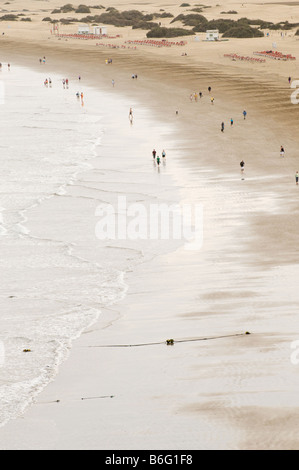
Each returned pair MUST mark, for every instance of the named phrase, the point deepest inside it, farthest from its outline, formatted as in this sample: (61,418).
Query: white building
(100,30)
(84,29)
(97,30)
(212,35)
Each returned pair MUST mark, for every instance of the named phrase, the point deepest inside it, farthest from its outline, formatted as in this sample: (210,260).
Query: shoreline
(37,210)
(263,93)
(181,407)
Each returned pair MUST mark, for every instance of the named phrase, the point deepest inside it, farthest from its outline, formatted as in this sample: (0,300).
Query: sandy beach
(119,385)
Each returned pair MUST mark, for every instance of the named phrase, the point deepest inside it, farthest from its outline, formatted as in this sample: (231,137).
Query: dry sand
(234,393)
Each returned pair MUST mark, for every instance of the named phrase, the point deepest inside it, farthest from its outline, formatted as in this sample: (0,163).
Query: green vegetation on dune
(112,16)
(9,17)
(243,31)
(194,21)
(242,27)
(67,8)
(162,32)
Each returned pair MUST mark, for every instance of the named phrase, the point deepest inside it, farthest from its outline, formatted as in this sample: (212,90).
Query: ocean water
(58,162)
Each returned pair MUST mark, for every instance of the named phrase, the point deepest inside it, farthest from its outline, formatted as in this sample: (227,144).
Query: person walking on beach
(209,89)
(290,79)
(163,154)
(231,121)
(131,115)
(242,164)
(113,83)
(212,100)
(297,177)
(281,151)
(158,160)
(154,153)
(244,114)
(222,127)
(200,94)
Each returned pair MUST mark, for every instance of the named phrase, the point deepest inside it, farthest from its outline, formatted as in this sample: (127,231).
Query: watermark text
(137,221)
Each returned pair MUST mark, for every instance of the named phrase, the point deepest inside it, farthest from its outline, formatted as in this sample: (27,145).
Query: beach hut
(84,29)
(100,30)
(212,35)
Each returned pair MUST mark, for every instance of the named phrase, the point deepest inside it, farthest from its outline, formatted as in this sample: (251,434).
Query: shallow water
(56,274)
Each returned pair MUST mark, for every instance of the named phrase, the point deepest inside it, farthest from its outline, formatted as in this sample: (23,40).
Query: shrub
(224,25)
(200,24)
(192,19)
(221,25)
(89,19)
(167,15)
(126,18)
(145,25)
(176,32)
(157,32)
(162,32)
(162,15)
(9,17)
(82,9)
(67,8)
(116,18)
(288,25)
(243,32)
(133,15)
(67,21)
(148,17)
(265,25)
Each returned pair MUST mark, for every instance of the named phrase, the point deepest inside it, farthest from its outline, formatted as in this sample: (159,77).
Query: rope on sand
(96,398)
(168,342)
(84,398)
